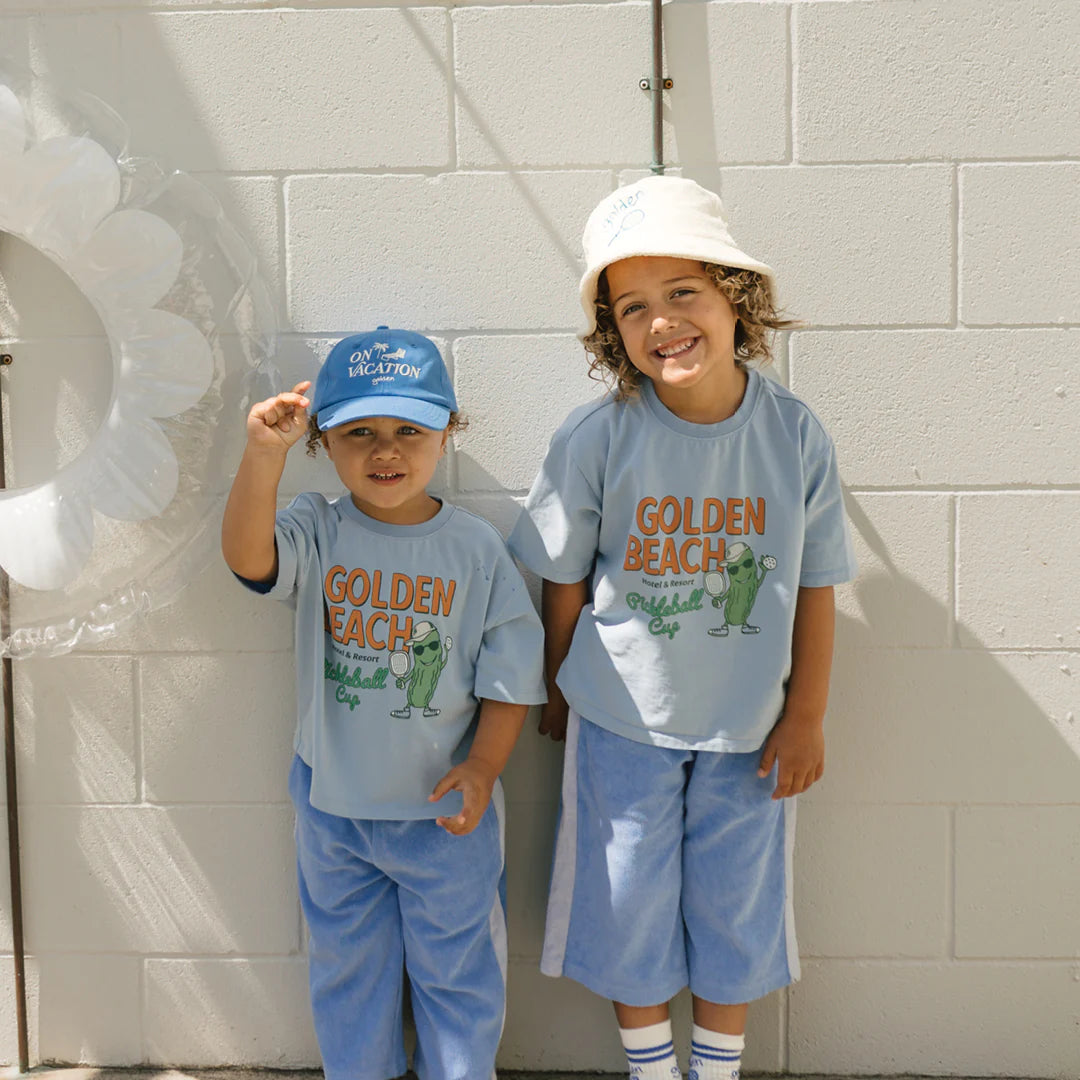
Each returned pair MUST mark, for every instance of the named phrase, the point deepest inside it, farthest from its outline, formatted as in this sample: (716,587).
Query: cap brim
(424,413)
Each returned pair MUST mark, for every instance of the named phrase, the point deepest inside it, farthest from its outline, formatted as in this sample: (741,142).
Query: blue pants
(672,867)
(382,895)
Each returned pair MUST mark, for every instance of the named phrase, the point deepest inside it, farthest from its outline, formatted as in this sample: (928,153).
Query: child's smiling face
(678,330)
(387,464)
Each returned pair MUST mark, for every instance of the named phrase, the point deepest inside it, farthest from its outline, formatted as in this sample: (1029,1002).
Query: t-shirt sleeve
(294,538)
(828,555)
(557,533)
(510,666)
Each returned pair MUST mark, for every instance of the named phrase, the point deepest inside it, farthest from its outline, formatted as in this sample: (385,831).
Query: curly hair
(748,292)
(458,422)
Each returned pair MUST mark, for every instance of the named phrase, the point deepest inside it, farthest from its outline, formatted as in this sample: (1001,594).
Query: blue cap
(384,373)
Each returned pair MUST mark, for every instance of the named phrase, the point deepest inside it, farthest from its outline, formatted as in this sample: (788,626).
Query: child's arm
(560,606)
(798,739)
(274,426)
(497,730)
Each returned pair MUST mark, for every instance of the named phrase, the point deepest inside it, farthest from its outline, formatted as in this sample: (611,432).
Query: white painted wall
(912,169)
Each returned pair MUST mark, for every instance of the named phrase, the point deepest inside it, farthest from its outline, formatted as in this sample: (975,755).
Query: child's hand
(475,784)
(799,742)
(554,715)
(279,422)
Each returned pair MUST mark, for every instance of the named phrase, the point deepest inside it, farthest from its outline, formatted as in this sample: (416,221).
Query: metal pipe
(12,798)
(657,88)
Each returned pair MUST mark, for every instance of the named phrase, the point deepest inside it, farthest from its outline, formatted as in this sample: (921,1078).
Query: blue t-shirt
(400,630)
(696,538)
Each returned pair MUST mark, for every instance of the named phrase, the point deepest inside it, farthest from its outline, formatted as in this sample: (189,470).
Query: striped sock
(650,1052)
(714,1055)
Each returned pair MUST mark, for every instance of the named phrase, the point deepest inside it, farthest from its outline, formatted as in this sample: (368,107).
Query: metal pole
(657,88)
(12,798)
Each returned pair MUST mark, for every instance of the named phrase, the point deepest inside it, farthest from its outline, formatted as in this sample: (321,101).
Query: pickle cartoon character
(420,679)
(738,592)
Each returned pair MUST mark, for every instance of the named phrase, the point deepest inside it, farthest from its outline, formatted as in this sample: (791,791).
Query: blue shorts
(382,895)
(672,868)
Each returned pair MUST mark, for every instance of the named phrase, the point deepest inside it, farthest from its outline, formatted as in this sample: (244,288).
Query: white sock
(650,1052)
(714,1055)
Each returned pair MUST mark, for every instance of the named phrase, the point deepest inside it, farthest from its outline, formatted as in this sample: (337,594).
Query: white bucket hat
(658,215)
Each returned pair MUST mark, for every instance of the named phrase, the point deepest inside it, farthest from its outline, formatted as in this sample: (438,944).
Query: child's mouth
(385,477)
(674,349)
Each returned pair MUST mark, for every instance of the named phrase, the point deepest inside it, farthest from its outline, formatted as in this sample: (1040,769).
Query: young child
(689,528)
(418,652)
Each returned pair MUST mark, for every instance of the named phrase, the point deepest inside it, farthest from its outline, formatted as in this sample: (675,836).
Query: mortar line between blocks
(954,571)
(452,90)
(136,729)
(955,244)
(950,885)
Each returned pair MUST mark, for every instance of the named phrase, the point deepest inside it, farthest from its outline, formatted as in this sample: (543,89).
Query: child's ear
(325,440)
(445,439)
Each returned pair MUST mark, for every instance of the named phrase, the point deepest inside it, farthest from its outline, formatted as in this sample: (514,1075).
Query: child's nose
(660,323)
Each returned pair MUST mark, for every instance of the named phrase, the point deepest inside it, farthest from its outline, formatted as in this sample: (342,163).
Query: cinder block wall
(912,170)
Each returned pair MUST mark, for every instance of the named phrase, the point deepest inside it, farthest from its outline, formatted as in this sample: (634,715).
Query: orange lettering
(669,558)
(647,524)
(649,555)
(712,515)
(688,518)
(356,598)
(756,516)
(354,629)
(669,502)
(712,553)
(684,557)
(423,595)
(401,590)
(332,585)
(400,631)
(377,617)
(442,596)
(633,553)
(334,616)
(377,599)
(734,517)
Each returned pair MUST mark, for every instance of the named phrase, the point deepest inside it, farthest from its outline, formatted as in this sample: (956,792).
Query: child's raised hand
(475,784)
(798,743)
(279,422)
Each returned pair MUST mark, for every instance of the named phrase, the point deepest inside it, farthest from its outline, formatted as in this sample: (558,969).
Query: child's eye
(630,309)
(359,431)
(684,292)
(408,429)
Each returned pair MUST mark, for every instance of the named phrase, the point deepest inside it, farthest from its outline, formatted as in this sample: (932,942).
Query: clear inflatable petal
(165,364)
(130,262)
(138,469)
(12,124)
(45,535)
(70,184)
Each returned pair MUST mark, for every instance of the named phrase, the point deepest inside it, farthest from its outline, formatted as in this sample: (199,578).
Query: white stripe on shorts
(561,893)
(789,895)
(497,919)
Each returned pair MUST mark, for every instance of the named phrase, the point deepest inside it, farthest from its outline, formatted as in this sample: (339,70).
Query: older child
(689,528)
(417,654)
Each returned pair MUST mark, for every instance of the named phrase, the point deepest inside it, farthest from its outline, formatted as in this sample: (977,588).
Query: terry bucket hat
(384,372)
(658,215)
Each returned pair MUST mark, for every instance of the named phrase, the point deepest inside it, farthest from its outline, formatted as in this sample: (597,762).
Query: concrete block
(955,80)
(514,104)
(1013,590)
(530,842)
(534,771)
(872,880)
(75,725)
(902,595)
(850,246)
(252,204)
(218,728)
(516,390)
(229,1012)
(142,879)
(945,407)
(941,726)
(240,91)
(72,51)
(214,612)
(1017,881)
(579,1032)
(938,1019)
(461,251)
(90,1009)
(9,1043)
(1013,220)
